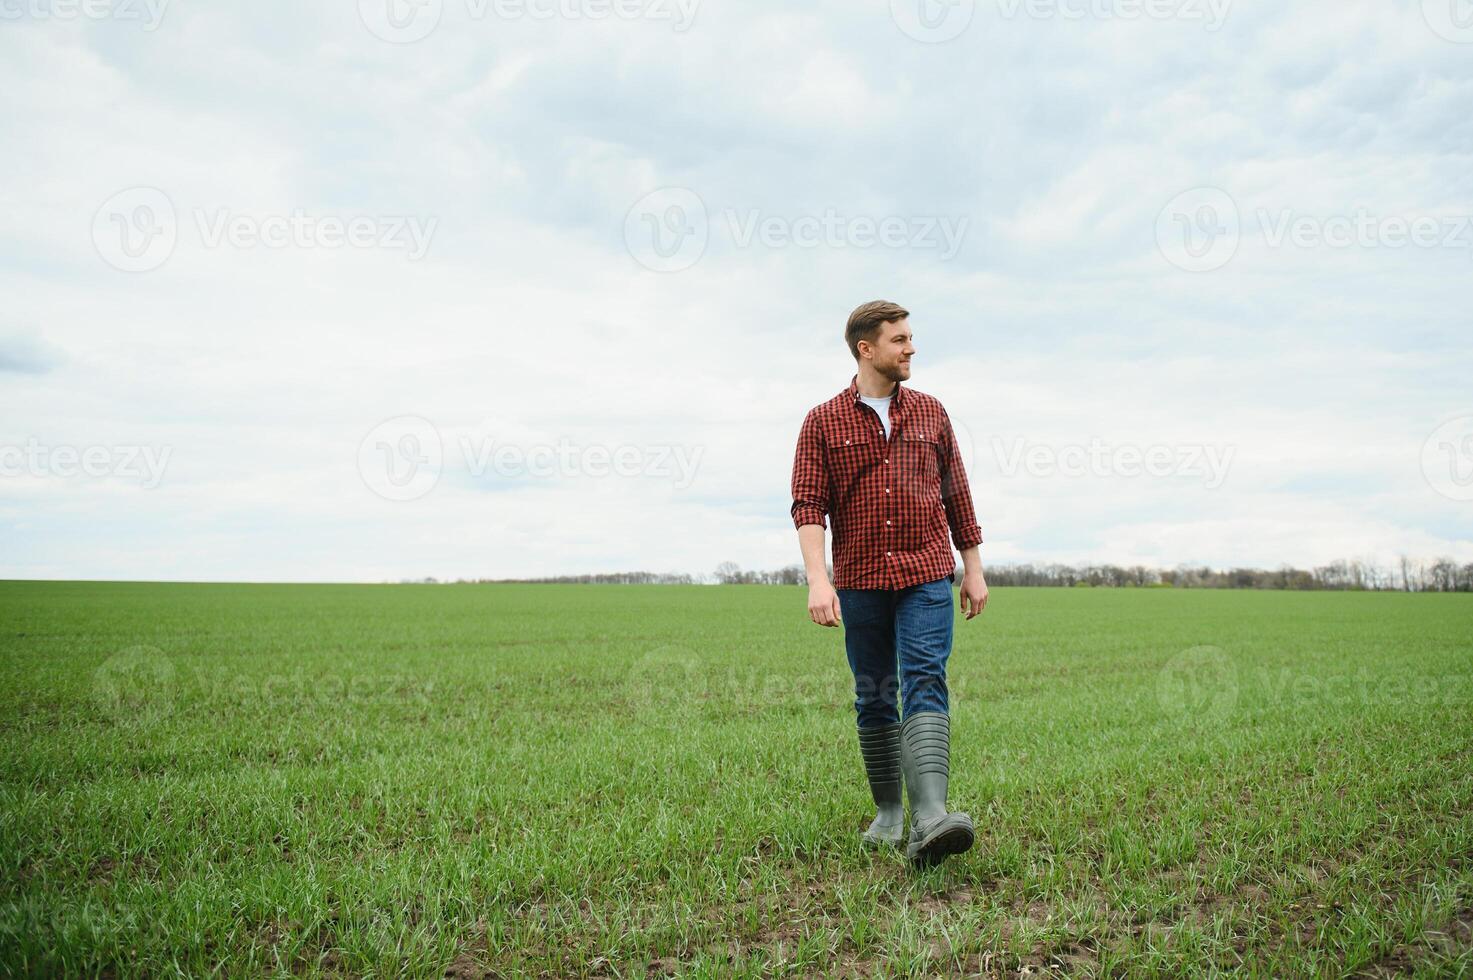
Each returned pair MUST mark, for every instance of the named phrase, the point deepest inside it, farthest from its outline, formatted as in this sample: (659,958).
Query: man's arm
(810,540)
(823,601)
(966,534)
(810,504)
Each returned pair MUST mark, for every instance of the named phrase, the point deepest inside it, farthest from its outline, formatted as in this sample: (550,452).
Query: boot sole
(953,837)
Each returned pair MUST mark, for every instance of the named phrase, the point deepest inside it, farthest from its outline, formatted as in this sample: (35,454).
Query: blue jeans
(912,626)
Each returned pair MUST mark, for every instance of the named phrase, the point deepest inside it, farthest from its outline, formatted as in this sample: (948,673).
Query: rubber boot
(880,747)
(925,761)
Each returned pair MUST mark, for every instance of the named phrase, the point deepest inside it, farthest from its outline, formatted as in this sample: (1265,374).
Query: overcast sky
(364,291)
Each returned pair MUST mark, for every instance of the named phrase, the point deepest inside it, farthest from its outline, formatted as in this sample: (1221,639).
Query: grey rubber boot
(880,747)
(925,762)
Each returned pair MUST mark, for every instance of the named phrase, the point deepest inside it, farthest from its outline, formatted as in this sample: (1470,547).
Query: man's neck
(875,385)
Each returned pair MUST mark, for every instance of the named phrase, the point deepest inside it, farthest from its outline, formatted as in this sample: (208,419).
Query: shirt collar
(897,398)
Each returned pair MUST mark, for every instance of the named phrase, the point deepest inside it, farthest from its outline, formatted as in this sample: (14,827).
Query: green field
(615,781)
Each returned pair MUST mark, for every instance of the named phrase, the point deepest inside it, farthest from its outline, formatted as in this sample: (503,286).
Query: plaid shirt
(893,500)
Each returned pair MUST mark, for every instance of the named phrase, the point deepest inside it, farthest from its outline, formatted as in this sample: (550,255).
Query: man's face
(892,350)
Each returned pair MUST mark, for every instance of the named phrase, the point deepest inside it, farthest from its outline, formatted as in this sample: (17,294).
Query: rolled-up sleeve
(810,480)
(956,494)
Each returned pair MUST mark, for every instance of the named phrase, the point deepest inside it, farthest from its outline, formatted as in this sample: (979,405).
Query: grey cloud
(26,355)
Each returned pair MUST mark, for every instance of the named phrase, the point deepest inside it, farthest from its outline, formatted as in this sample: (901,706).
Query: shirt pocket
(920,463)
(851,450)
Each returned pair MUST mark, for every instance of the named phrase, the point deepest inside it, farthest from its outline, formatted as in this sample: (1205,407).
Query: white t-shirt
(882,408)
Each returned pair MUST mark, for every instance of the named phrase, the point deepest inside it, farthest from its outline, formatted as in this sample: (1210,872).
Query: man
(881,459)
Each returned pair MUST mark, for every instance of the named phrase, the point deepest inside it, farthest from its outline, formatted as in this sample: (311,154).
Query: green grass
(606,780)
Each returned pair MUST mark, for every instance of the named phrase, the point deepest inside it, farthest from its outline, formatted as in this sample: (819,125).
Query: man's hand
(823,604)
(973,591)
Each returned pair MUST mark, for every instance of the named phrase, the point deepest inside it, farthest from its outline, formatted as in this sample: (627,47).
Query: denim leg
(923,630)
(869,643)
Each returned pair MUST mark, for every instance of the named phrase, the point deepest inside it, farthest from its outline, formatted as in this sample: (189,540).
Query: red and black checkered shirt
(892,500)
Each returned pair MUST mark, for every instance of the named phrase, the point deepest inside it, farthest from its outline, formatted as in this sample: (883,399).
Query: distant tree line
(606,578)
(1408,575)
(727,573)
